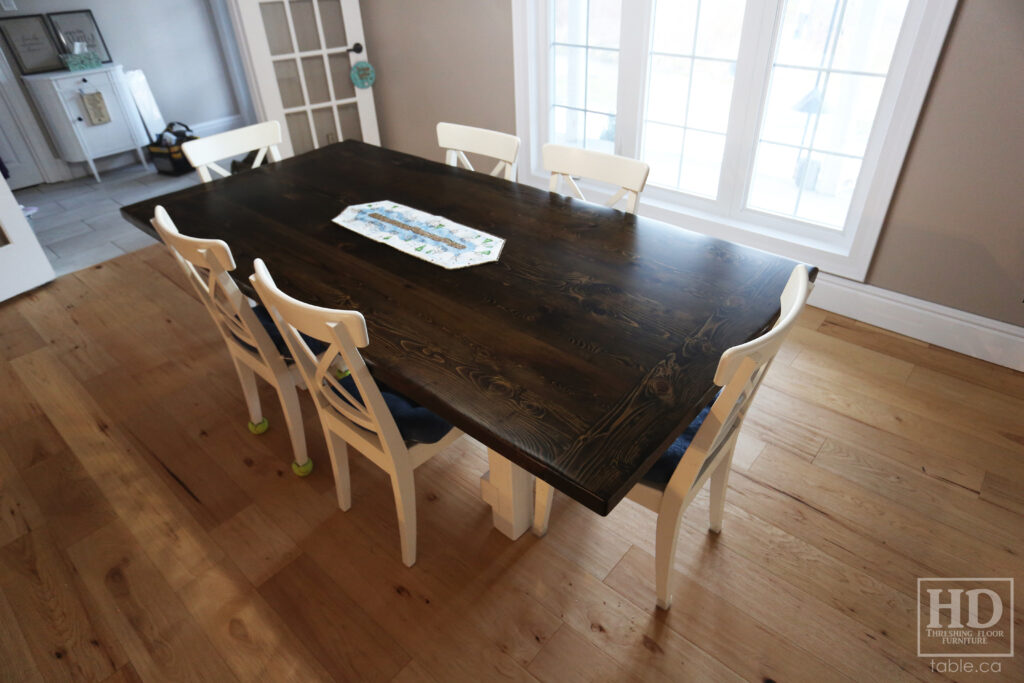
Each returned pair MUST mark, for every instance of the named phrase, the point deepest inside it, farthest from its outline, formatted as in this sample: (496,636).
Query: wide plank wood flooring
(145,534)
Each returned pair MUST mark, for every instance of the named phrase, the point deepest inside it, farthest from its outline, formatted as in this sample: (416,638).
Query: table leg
(544,494)
(508,489)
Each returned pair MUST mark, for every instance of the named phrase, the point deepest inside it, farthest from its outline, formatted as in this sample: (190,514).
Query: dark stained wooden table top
(580,355)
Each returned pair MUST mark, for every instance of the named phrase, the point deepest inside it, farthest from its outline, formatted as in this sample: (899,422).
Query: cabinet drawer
(87,81)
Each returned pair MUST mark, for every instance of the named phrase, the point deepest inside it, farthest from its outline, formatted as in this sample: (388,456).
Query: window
(585,73)
(690,77)
(827,74)
(778,123)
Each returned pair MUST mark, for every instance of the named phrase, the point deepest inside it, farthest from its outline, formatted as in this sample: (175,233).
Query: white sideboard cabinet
(59,96)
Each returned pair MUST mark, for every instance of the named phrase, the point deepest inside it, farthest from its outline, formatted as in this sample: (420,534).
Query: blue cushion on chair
(665,466)
(415,423)
(263,315)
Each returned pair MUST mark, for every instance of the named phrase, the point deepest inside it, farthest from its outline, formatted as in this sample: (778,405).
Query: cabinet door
(104,138)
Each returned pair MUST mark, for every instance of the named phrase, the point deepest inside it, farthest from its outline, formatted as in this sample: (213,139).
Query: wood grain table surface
(580,355)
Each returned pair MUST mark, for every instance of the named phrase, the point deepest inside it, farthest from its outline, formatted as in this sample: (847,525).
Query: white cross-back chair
(564,162)
(705,449)
(457,140)
(204,153)
(394,433)
(206,264)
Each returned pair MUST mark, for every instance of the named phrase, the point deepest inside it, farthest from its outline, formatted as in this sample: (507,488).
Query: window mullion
(539,65)
(634,39)
(753,68)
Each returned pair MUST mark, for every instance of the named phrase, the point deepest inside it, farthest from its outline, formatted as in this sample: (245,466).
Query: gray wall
(174,43)
(955,231)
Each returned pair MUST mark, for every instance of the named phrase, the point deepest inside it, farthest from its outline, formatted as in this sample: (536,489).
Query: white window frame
(845,252)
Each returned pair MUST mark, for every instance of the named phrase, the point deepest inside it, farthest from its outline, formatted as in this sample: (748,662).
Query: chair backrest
(345,333)
(458,140)
(739,373)
(565,162)
(205,152)
(206,264)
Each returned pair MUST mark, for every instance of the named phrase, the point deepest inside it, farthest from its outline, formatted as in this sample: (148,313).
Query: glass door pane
(298,131)
(288,83)
(323,123)
(338,64)
(275,25)
(333,23)
(304,21)
(351,126)
(316,79)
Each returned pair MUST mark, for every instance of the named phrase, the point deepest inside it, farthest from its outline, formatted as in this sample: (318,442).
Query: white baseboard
(972,335)
(214,126)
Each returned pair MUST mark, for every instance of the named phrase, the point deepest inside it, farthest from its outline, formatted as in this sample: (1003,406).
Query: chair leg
(667,535)
(719,485)
(404,488)
(542,507)
(338,450)
(289,398)
(247,378)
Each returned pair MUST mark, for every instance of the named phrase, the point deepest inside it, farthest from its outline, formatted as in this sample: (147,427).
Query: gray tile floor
(79,222)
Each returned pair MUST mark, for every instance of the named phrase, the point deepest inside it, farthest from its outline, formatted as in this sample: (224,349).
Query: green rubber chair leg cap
(259,428)
(302,470)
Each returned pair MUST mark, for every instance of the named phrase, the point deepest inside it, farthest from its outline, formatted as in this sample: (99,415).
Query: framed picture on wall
(31,44)
(79,26)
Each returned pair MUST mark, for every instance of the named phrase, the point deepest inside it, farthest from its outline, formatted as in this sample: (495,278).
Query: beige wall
(955,232)
(439,60)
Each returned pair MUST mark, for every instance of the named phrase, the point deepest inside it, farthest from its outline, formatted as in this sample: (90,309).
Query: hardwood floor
(145,534)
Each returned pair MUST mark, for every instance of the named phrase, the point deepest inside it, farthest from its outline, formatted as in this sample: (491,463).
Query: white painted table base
(508,489)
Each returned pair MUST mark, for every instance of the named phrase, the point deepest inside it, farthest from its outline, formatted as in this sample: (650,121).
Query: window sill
(830,252)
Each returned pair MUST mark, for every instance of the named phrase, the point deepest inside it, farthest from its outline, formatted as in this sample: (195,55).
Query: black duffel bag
(166,149)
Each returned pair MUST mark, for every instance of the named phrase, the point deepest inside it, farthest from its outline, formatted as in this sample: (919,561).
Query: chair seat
(658,476)
(415,423)
(263,315)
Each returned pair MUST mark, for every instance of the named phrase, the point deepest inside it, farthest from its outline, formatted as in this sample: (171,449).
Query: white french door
(298,55)
(23,264)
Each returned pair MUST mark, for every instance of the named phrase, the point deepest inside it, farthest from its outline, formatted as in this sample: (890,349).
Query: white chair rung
(223,172)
